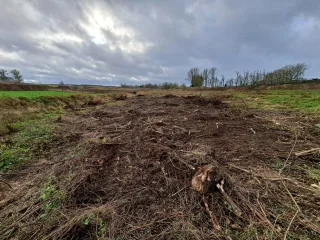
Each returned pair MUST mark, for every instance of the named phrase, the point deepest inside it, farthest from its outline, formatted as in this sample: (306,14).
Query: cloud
(112,42)
(30,81)
(9,56)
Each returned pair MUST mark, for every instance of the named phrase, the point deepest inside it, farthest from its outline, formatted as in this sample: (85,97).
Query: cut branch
(213,218)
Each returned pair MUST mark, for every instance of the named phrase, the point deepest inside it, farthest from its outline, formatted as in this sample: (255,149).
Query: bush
(168,85)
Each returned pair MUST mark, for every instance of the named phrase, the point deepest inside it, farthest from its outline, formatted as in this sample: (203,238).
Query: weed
(88,219)
(278,164)
(101,227)
(53,196)
(314,174)
(32,135)
(12,156)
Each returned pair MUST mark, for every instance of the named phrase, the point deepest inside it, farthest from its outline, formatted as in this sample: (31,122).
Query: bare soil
(126,171)
(21,87)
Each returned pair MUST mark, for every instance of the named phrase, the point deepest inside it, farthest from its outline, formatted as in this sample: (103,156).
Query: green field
(303,100)
(32,94)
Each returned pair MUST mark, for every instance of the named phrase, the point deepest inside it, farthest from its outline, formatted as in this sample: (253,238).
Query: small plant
(53,196)
(102,228)
(314,174)
(88,219)
(278,164)
(92,219)
(12,156)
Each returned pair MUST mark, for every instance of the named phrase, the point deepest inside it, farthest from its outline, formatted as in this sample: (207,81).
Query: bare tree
(216,82)
(205,75)
(212,76)
(231,82)
(245,78)
(297,71)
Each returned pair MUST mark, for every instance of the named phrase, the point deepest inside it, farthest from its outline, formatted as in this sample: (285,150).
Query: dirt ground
(123,171)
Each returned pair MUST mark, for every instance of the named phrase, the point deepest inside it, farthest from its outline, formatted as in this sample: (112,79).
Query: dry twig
(213,218)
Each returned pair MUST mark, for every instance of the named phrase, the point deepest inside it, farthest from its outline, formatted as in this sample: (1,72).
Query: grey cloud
(122,41)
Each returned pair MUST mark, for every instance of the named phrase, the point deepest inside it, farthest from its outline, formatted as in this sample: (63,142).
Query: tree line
(209,77)
(15,76)
(165,85)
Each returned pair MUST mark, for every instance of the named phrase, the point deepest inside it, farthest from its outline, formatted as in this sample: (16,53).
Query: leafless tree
(212,76)
(205,75)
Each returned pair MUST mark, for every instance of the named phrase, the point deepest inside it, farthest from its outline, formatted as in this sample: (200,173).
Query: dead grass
(119,96)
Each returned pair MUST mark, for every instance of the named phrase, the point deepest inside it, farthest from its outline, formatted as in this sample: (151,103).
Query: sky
(109,42)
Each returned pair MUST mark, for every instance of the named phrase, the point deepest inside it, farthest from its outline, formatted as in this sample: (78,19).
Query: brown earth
(22,87)
(126,171)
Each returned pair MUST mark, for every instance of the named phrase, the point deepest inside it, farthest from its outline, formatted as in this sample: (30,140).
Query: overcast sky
(140,41)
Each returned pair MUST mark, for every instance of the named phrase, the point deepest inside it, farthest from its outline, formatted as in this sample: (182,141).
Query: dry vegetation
(123,170)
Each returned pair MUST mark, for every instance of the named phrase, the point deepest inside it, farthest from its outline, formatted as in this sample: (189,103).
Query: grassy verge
(303,100)
(31,135)
(26,125)
(14,109)
(32,94)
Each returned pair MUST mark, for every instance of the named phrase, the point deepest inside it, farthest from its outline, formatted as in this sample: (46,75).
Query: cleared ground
(123,169)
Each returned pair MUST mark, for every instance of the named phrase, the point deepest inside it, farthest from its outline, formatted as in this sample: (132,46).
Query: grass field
(32,94)
(302,100)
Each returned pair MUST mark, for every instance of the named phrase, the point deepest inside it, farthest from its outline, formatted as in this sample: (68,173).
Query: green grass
(303,100)
(32,94)
(31,136)
(314,174)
